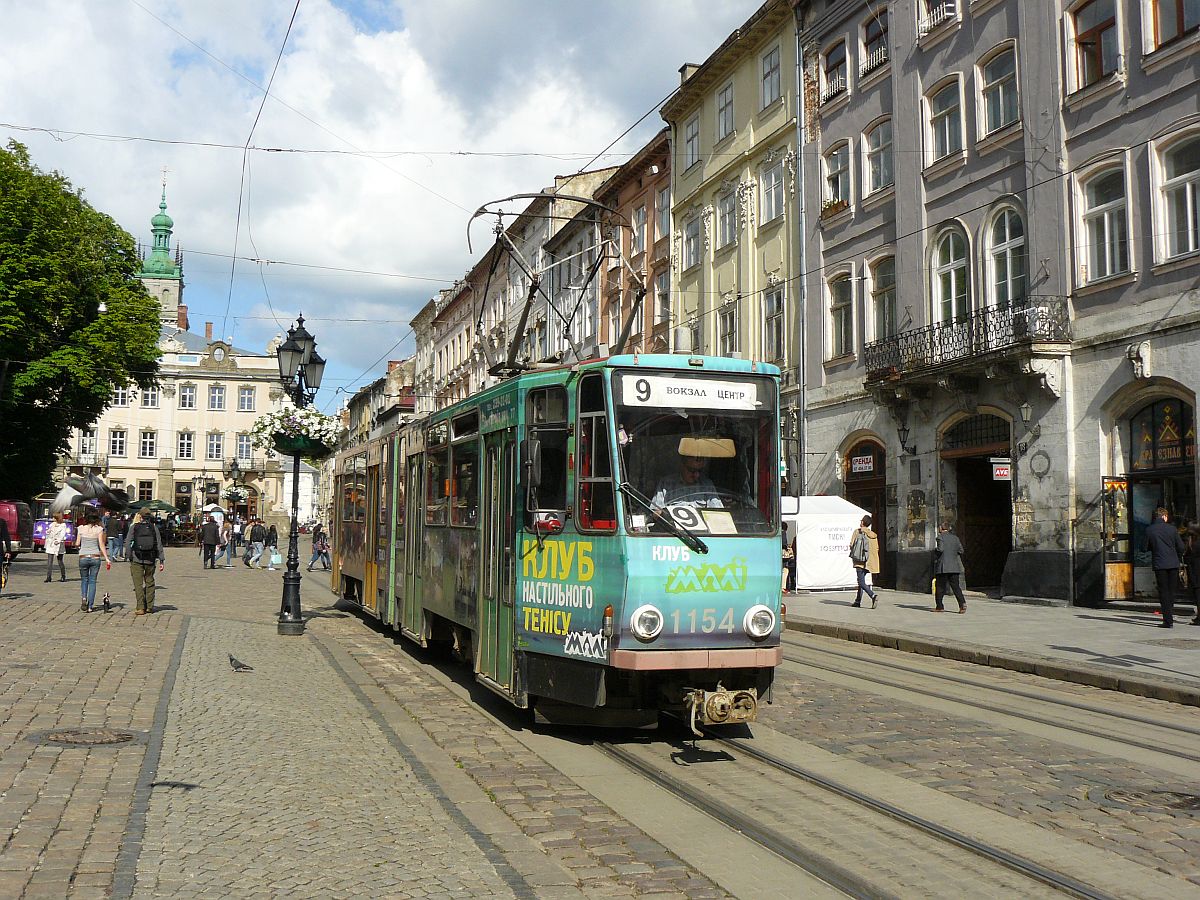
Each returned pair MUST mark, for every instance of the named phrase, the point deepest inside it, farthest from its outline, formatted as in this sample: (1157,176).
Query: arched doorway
(976,496)
(865,480)
(248,508)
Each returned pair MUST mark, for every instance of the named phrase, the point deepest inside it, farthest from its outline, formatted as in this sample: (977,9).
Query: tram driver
(690,483)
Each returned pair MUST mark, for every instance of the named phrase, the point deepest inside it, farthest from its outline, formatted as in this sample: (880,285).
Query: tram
(599,541)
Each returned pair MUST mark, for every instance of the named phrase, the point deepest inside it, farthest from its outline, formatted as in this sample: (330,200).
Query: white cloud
(541,76)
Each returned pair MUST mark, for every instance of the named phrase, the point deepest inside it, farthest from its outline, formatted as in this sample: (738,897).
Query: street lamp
(300,371)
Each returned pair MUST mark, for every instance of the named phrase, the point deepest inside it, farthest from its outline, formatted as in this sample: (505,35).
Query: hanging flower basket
(236,494)
(297,432)
(300,445)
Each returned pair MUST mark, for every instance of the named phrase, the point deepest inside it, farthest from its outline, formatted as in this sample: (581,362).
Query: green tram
(599,541)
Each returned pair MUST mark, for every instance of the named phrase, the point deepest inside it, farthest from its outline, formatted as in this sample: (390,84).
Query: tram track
(1020,876)
(879,677)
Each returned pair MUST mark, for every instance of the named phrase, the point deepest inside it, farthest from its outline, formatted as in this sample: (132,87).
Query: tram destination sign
(675,391)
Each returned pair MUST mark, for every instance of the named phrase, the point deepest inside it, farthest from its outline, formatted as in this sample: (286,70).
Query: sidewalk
(1118,649)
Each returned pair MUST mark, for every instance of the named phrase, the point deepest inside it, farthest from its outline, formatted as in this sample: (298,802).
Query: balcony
(247,465)
(874,60)
(939,14)
(833,87)
(77,460)
(970,342)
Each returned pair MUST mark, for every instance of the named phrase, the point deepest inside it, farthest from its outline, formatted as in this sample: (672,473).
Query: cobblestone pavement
(1035,780)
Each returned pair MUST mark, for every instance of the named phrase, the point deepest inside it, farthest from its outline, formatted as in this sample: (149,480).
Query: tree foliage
(60,358)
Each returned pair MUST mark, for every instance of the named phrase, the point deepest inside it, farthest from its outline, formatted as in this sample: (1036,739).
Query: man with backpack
(258,538)
(144,547)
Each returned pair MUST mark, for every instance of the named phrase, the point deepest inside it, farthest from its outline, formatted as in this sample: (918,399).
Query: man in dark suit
(948,568)
(1166,550)
(210,536)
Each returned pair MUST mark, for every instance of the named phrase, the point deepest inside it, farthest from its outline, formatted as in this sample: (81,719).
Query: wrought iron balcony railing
(938,14)
(836,85)
(87,460)
(246,464)
(990,332)
(874,60)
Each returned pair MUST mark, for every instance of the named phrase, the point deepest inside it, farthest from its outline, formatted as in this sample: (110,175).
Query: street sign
(1001,470)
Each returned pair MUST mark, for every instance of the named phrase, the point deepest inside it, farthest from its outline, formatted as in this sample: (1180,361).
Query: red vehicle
(20,525)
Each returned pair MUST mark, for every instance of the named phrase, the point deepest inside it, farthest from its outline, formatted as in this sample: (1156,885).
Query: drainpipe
(802,282)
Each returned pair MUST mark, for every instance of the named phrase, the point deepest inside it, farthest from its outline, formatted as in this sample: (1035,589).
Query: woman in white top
(89,538)
(56,546)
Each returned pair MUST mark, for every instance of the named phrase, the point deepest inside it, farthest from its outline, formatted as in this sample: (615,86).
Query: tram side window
(437,478)
(464,486)
(546,414)
(360,488)
(597,505)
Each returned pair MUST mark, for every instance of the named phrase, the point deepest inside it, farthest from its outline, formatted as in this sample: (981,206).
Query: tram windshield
(699,448)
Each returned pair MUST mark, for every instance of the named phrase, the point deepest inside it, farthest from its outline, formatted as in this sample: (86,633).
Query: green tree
(60,357)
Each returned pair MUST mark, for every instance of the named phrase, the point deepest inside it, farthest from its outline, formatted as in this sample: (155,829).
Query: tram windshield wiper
(693,542)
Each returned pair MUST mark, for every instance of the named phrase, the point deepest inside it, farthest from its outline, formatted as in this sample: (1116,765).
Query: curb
(1043,666)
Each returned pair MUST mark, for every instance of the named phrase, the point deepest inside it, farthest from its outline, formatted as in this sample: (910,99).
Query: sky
(407,114)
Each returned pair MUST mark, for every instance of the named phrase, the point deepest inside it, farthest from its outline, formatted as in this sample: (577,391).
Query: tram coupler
(720,707)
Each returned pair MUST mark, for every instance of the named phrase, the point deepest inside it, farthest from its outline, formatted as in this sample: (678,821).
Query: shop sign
(1001,470)
(862,464)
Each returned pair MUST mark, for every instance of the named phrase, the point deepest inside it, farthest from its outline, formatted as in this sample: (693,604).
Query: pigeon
(238,665)
(81,489)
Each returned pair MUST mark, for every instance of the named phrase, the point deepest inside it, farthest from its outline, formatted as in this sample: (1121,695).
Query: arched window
(837,176)
(1105,228)
(1000,108)
(841,316)
(950,278)
(1181,195)
(1006,240)
(880,168)
(945,122)
(883,296)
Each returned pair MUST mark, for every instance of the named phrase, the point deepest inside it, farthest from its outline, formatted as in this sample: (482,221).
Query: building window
(691,142)
(116,442)
(837,178)
(614,321)
(875,46)
(638,241)
(145,490)
(950,276)
(246,399)
(773,329)
(691,243)
(945,122)
(936,13)
(880,166)
(187,396)
(834,72)
(1096,42)
(662,293)
(1174,18)
(120,396)
(187,449)
(1000,106)
(772,192)
(87,441)
(1181,191)
(725,112)
(216,396)
(1104,226)
(148,445)
(727,322)
(245,446)
(726,219)
(841,317)
(770,77)
(216,445)
(883,297)
(1007,252)
(150,398)
(662,210)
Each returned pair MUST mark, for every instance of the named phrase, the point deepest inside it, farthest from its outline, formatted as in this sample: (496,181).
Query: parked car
(20,525)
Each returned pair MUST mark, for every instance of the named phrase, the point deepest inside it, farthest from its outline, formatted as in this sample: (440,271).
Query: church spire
(159,264)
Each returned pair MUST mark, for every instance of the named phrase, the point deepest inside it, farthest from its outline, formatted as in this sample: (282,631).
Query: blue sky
(554,79)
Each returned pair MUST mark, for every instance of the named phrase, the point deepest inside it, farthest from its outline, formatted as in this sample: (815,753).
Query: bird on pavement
(80,489)
(238,665)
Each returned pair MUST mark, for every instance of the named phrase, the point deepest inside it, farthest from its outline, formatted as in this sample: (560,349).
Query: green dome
(162,220)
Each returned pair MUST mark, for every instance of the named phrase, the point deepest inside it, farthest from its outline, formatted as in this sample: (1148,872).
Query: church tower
(162,276)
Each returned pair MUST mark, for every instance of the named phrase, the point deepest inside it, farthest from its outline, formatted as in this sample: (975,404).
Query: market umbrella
(153,506)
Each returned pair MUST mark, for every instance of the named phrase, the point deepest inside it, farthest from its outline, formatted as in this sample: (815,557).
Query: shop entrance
(981,504)
(865,480)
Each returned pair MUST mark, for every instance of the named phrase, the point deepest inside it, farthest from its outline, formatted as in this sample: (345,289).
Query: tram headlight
(646,622)
(759,622)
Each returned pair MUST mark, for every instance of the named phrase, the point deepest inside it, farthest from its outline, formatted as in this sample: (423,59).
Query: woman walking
(56,546)
(89,538)
(272,547)
(318,536)
(864,553)
(227,543)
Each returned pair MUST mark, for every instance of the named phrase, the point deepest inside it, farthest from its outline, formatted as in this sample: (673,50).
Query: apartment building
(1002,321)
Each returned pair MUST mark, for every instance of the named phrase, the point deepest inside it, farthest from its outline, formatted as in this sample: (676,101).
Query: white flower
(291,422)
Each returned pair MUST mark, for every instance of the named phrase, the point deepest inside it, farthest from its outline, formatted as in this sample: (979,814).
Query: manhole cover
(1172,800)
(88,737)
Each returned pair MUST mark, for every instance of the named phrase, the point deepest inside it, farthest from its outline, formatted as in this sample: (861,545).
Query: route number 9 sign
(706,393)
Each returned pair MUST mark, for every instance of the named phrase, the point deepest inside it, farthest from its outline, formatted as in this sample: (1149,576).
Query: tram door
(371,557)
(495,658)
(399,535)
(414,559)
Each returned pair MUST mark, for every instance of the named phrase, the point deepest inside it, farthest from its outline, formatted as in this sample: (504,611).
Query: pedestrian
(1192,562)
(210,537)
(5,552)
(864,553)
(272,547)
(56,546)
(226,543)
(948,568)
(325,545)
(258,537)
(1166,550)
(90,539)
(114,530)
(144,547)
(237,532)
(318,535)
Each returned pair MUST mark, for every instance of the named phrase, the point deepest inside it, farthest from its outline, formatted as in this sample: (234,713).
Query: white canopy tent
(216,511)
(822,528)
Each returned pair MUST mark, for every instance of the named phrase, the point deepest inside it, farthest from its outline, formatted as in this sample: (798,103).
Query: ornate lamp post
(300,370)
